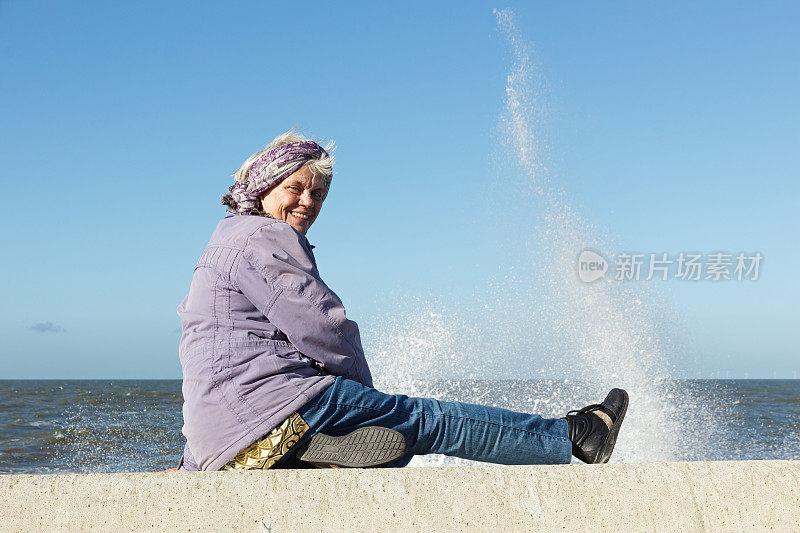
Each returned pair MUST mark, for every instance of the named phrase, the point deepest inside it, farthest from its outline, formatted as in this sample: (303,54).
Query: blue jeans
(475,432)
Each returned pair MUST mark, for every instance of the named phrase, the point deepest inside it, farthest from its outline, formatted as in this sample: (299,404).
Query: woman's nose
(306,200)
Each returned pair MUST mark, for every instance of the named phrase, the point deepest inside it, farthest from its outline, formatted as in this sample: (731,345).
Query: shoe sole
(611,440)
(363,448)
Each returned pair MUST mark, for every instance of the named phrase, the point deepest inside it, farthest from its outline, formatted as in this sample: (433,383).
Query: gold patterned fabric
(264,453)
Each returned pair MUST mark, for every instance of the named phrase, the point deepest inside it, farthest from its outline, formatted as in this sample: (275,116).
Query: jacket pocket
(248,375)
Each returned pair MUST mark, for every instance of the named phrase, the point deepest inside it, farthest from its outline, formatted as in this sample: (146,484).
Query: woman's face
(296,200)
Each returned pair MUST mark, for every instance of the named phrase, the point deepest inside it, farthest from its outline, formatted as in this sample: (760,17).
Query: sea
(53,427)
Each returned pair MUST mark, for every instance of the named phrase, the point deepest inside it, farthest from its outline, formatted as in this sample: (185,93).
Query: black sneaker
(363,448)
(593,430)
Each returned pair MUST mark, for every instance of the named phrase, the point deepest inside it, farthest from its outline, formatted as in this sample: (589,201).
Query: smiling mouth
(301,216)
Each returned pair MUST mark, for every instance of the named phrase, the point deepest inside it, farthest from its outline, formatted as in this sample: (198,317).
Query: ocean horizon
(52,426)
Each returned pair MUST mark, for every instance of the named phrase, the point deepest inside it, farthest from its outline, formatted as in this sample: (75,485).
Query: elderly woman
(274,374)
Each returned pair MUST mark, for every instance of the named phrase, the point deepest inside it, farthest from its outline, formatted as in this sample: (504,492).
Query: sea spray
(606,334)
(566,342)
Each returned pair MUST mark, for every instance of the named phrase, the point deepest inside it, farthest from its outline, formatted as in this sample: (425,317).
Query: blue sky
(673,128)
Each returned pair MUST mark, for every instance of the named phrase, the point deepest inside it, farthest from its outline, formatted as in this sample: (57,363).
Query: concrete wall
(711,496)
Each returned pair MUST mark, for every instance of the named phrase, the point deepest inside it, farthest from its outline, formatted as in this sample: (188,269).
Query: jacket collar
(230,214)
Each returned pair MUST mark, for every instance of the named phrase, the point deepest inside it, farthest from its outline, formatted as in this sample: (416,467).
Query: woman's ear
(261,209)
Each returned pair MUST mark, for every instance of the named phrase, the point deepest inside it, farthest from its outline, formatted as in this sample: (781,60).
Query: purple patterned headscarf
(271,168)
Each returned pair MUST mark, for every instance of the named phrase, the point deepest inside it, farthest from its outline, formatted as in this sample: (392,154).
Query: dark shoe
(593,430)
(365,447)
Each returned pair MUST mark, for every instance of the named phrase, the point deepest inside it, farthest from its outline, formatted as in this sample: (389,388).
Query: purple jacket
(262,335)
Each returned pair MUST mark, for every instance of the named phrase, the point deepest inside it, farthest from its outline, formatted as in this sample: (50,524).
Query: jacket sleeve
(278,274)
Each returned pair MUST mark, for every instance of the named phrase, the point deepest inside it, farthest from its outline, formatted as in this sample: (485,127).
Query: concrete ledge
(711,496)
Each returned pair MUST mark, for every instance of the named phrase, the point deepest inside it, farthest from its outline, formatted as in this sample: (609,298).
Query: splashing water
(571,341)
